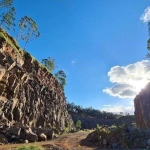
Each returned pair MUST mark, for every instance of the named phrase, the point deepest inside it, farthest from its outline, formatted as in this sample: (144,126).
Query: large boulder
(32,137)
(42,137)
(50,134)
(14,131)
(3,139)
(3,129)
(39,130)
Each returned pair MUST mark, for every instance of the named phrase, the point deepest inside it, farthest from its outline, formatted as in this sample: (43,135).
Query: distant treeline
(93,112)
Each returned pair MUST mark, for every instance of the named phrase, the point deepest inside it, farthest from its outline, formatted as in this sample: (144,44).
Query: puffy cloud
(129,79)
(119,108)
(145,17)
(121,90)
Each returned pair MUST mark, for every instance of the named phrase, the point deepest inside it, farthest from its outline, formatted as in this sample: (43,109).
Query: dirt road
(71,141)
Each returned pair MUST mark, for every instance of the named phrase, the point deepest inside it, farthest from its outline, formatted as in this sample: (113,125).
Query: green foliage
(103,133)
(98,127)
(148,42)
(66,130)
(7,13)
(28,30)
(100,140)
(8,18)
(78,125)
(9,40)
(148,46)
(6,3)
(30,147)
(49,63)
(61,77)
(106,131)
(113,126)
(92,112)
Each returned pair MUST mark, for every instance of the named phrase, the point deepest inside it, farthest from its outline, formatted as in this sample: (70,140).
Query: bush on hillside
(78,125)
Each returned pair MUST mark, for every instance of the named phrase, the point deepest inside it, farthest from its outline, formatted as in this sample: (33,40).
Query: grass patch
(29,147)
(5,37)
(13,43)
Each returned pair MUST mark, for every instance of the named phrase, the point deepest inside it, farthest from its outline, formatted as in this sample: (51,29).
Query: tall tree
(7,18)
(49,63)
(61,77)
(28,30)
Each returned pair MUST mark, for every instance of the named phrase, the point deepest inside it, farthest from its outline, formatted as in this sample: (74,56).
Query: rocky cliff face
(142,108)
(29,94)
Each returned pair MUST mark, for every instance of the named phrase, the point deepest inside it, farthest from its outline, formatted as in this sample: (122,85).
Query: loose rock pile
(24,134)
(121,137)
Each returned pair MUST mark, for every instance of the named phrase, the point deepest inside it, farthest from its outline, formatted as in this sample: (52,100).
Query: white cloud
(119,108)
(129,80)
(145,17)
(73,62)
(106,105)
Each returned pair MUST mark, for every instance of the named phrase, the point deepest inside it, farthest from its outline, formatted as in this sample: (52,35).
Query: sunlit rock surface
(142,108)
(29,94)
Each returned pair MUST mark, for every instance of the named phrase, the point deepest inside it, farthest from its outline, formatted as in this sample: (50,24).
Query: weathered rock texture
(142,108)
(29,94)
(121,138)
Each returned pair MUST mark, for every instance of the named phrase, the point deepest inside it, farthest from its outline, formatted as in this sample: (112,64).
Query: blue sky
(88,38)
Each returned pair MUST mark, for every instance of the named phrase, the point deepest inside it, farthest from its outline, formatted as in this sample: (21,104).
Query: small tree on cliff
(7,18)
(61,77)
(28,30)
(49,63)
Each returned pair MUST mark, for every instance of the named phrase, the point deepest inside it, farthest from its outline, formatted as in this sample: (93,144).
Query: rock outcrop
(25,134)
(142,108)
(121,137)
(29,94)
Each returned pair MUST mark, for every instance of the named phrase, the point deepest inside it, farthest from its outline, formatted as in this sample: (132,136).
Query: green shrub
(113,126)
(66,130)
(78,125)
(98,127)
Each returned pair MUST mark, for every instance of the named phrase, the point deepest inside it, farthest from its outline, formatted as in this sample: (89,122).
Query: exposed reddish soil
(71,141)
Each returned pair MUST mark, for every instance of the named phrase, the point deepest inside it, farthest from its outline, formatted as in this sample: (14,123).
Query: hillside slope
(90,122)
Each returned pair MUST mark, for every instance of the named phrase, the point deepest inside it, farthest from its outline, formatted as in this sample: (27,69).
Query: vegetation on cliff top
(28,30)
(49,63)
(93,112)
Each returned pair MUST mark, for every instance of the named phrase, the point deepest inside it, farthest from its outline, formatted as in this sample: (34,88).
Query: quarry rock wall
(142,108)
(29,94)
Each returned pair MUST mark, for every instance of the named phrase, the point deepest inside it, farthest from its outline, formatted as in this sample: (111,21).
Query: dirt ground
(71,141)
